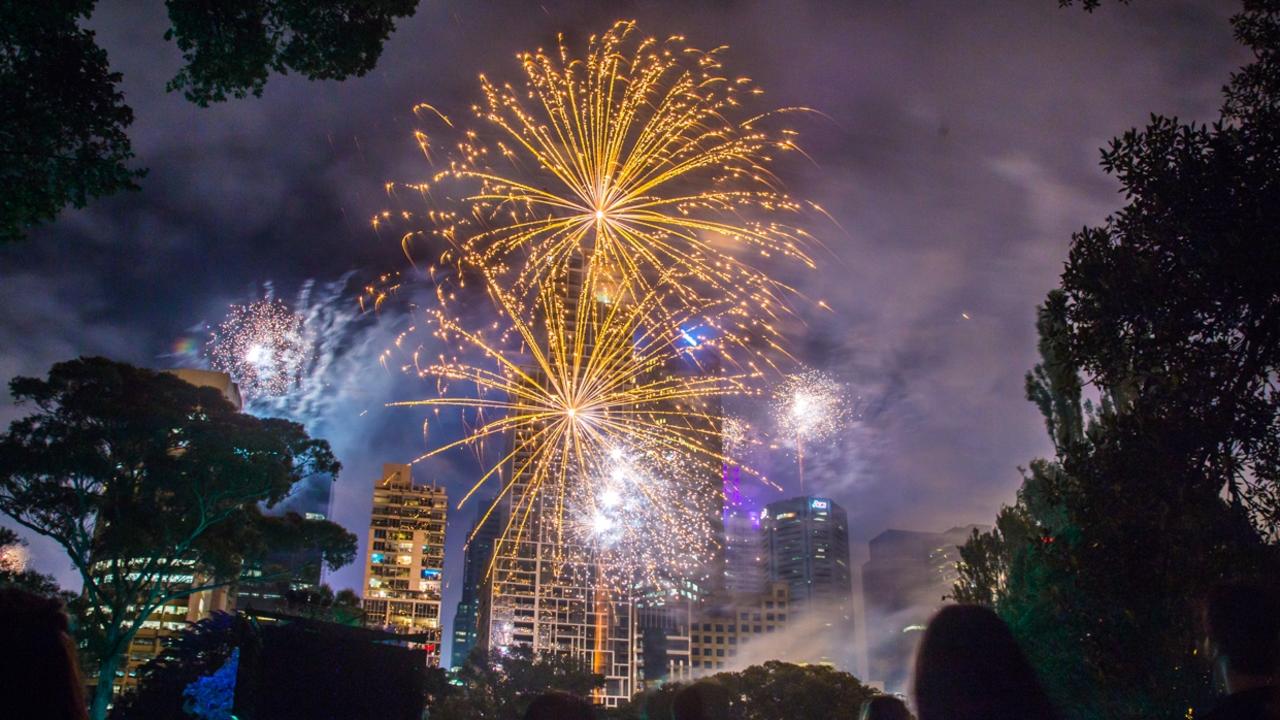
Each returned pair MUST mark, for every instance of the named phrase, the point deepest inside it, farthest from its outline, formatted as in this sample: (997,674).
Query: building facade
(722,627)
(805,543)
(404,563)
(475,572)
(170,619)
(904,582)
(743,552)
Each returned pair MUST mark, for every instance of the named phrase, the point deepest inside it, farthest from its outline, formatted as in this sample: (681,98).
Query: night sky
(957,149)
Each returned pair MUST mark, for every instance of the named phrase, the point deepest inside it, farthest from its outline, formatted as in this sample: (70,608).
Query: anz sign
(819,504)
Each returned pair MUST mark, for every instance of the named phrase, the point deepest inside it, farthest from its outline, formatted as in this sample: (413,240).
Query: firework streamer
(810,406)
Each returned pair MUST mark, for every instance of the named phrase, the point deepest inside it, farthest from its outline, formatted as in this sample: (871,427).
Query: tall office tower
(405,561)
(549,595)
(475,570)
(903,585)
(173,617)
(806,545)
(743,562)
(546,595)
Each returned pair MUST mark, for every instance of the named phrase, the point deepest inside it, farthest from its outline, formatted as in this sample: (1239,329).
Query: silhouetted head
(884,707)
(556,705)
(1242,628)
(969,667)
(37,657)
(703,700)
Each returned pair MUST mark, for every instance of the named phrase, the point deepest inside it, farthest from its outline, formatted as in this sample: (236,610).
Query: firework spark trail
(569,398)
(810,406)
(619,210)
(639,157)
(737,438)
(261,346)
(640,517)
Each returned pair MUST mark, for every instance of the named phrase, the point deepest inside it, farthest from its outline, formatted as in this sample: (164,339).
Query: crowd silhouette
(968,666)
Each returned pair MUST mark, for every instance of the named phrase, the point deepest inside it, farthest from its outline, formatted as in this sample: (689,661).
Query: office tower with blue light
(485,531)
(805,544)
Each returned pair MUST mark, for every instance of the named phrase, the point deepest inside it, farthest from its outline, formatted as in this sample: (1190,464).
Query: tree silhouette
(154,487)
(231,47)
(63,118)
(1171,311)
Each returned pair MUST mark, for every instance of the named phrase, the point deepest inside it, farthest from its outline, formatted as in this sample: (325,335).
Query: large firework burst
(619,209)
(639,157)
(261,346)
(640,520)
(563,389)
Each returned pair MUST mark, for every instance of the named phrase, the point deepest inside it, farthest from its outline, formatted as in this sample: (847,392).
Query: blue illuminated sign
(819,504)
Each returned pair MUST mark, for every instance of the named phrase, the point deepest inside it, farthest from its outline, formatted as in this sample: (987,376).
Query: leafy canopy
(231,47)
(155,488)
(62,116)
(774,690)
(1170,313)
(500,686)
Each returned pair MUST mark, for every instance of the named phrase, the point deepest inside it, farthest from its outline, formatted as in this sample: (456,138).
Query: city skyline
(934,323)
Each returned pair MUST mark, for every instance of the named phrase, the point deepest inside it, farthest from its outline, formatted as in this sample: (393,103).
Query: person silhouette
(38,666)
(969,667)
(1241,638)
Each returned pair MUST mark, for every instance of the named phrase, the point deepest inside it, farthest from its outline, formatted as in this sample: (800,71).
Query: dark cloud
(956,149)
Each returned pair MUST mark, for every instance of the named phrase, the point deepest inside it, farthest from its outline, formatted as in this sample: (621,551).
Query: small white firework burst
(261,346)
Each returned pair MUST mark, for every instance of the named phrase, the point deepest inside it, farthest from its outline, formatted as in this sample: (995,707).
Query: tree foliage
(231,47)
(1169,313)
(198,651)
(322,603)
(500,686)
(62,116)
(773,691)
(1088,5)
(155,488)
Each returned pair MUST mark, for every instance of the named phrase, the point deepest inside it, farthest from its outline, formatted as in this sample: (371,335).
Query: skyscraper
(405,558)
(479,551)
(743,559)
(546,596)
(549,593)
(806,546)
(903,585)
